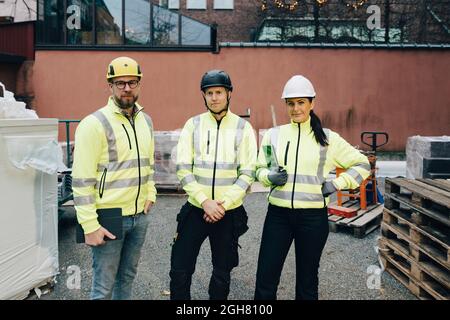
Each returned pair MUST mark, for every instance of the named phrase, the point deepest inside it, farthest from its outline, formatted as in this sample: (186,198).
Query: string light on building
(321,2)
(356,4)
(289,5)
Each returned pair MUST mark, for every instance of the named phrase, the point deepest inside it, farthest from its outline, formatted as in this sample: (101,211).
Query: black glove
(278,177)
(328,188)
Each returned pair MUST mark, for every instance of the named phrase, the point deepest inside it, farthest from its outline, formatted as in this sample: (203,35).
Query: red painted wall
(402,92)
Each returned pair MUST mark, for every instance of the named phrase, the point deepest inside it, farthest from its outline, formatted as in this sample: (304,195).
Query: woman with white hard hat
(294,160)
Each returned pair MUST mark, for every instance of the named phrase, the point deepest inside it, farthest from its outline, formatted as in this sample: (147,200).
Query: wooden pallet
(424,290)
(428,252)
(431,239)
(430,200)
(362,224)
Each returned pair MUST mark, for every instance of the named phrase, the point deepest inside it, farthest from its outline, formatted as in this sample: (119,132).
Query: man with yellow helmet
(113,168)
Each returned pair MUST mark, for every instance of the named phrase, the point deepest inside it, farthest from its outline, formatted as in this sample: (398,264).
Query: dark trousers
(309,229)
(192,231)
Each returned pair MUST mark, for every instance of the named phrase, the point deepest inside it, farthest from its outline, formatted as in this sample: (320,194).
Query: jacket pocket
(286,153)
(101,186)
(128,136)
(240,220)
(182,216)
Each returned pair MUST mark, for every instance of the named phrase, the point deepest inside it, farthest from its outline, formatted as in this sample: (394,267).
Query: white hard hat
(298,87)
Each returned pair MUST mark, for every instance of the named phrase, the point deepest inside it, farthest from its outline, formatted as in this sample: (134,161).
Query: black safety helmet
(216,78)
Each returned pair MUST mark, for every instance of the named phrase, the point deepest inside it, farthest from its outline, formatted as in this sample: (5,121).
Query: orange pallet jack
(361,192)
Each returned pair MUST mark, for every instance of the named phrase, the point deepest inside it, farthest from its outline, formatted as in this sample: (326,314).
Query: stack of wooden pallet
(415,242)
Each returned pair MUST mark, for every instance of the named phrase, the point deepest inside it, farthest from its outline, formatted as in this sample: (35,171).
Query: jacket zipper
(132,122)
(295,170)
(129,141)
(207,144)
(215,158)
(286,153)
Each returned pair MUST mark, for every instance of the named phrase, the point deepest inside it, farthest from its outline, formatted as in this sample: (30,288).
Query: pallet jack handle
(373,135)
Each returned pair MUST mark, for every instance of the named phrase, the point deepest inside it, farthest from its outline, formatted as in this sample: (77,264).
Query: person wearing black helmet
(216,157)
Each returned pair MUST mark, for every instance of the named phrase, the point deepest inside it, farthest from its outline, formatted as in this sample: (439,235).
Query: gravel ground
(343,270)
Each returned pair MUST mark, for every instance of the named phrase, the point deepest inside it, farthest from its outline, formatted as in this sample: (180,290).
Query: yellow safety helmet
(123,66)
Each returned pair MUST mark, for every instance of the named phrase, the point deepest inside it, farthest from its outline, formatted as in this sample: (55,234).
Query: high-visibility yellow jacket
(113,164)
(294,147)
(216,160)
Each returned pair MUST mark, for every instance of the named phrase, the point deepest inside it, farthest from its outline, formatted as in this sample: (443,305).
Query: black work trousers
(223,238)
(309,229)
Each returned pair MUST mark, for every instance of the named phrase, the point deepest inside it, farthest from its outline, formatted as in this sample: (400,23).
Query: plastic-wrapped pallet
(428,157)
(165,159)
(29,160)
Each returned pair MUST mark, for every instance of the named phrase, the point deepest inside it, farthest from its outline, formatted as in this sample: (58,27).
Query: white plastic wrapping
(39,152)
(29,213)
(12,109)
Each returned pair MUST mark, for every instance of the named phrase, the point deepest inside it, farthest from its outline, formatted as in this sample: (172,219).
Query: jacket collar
(303,125)
(112,105)
(227,116)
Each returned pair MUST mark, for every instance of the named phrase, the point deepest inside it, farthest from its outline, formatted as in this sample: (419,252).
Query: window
(137,22)
(194,33)
(165,27)
(109,21)
(196,4)
(51,22)
(174,4)
(224,4)
(120,23)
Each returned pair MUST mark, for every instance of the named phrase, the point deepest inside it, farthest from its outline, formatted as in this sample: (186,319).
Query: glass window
(223,4)
(194,33)
(174,4)
(137,22)
(109,21)
(79,22)
(165,27)
(196,4)
(51,22)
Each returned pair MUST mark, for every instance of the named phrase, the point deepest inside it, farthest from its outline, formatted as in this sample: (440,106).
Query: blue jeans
(115,263)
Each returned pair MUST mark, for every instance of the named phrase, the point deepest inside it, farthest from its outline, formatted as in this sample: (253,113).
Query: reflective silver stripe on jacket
(121,165)
(110,138)
(219,165)
(125,183)
(81,183)
(355,174)
(196,137)
(305,179)
(298,196)
(149,122)
(83,200)
(243,184)
(323,157)
(218,181)
(187,179)
(238,138)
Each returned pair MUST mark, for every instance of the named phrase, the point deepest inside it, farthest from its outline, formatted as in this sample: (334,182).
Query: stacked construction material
(428,157)
(165,160)
(415,242)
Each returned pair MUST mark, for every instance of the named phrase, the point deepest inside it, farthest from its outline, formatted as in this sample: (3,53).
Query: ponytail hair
(316,127)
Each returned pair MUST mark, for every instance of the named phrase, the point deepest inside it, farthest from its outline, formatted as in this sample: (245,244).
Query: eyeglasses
(122,84)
